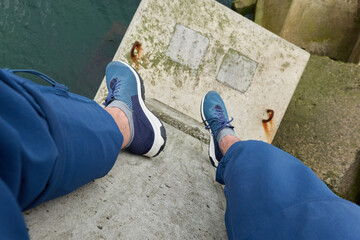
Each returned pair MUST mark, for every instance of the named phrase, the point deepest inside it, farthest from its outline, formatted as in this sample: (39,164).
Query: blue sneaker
(215,118)
(125,84)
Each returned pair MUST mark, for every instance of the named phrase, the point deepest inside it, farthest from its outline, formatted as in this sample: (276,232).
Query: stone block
(355,55)
(187,48)
(244,6)
(321,126)
(271,14)
(172,196)
(329,27)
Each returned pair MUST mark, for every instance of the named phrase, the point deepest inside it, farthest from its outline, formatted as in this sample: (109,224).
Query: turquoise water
(71,41)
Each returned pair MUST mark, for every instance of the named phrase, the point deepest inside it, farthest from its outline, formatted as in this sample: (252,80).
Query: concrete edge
(179,120)
(168,115)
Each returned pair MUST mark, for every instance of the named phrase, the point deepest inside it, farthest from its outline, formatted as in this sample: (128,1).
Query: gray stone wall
(271,14)
(321,125)
(355,55)
(327,27)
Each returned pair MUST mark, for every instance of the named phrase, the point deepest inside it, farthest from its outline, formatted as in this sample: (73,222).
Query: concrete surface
(172,196)
(178,120)
(355,55)
(329,27)
(321,126)
(244,6)
(234,63)
(187,47)
(173,74)
(271,14)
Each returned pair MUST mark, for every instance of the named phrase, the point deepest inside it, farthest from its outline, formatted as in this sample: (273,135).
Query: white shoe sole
(212,155)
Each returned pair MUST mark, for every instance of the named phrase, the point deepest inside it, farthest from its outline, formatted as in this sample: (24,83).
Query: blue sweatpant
(272,195)
(51,142)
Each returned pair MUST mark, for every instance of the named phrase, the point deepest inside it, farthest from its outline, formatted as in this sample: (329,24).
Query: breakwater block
(184,49)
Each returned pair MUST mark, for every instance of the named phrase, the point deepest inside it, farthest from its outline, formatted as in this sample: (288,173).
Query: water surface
(70,41)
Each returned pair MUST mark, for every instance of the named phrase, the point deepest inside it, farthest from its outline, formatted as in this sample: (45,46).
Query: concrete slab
(321,126)
(244,6)
(355,55)
(237,71)
(180,50)
(329,27)
(187,47)
(271,14)
(172,196)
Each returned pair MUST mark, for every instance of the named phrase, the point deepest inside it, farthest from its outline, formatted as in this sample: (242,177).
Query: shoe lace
(220,118)
(114,88)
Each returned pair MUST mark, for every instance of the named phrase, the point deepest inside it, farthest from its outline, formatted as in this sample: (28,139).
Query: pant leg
(51,142)
(12,225)
(272,195)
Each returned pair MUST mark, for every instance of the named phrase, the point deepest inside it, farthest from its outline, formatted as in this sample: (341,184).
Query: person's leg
(49,145)
(12,225)
(122,122)
(272,195)
(226,142)
(67,140)
(216,120)
(147,135)
(53,141)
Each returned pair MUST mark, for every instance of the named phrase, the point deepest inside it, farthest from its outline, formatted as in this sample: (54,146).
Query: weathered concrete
(321,126)
(355,55)
(264,77)
(179,120)
(271,14)
(330,27)
(233,64)
(172,196)
(244,6)
(187,47)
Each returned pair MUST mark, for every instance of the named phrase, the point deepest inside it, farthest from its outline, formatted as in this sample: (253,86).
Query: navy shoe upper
(144,133)
(215,113)
(123,85)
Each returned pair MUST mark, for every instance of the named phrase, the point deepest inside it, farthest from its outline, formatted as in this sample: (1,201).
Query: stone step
(321,126)
(171,196)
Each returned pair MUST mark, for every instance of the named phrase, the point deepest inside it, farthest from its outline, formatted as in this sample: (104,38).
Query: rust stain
(135,56)
(270,113)
(268,125)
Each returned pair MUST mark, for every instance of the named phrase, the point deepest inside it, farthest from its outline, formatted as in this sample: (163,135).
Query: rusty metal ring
(135,46)
(270,114)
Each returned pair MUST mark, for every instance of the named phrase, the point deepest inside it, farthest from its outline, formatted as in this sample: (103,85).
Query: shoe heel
(163,135)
